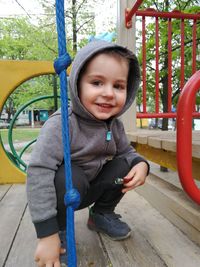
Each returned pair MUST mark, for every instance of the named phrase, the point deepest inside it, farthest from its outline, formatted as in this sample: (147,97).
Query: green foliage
(167,6)
(21,40)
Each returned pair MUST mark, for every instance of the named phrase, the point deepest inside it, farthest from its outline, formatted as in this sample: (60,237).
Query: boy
(103,83)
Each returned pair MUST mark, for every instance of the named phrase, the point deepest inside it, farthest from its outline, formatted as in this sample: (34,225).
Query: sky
(105,12)
(19,7)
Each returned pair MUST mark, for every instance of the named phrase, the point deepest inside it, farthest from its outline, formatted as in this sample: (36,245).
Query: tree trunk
(164,94)
(74,26)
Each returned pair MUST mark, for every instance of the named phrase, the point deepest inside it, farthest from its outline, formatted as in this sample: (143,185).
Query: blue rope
(72,197)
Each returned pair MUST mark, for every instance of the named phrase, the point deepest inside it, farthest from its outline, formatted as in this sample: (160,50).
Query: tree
(79,17)
(22,40)
(167,5)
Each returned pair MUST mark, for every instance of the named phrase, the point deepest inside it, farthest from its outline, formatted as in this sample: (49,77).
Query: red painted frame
(184,136)
(169,15)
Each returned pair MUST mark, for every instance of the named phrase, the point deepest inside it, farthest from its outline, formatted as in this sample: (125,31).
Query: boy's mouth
(105,105)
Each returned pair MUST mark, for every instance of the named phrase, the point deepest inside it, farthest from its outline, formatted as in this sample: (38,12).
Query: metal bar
(194,46)
(163,115)
(155,115)
(157,68)
(182,55)
(130,13)
(173,14)
(184,136)
(144,65)
(10,130)
(55,93)
(169,65)
(150,12)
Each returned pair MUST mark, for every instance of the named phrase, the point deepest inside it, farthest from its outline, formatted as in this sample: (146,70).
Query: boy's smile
(103,85)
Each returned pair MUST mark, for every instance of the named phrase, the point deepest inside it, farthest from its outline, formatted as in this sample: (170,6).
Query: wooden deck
(160,147)
(154,241)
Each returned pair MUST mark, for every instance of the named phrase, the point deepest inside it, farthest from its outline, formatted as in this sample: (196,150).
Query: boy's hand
(137,176)
(48,251)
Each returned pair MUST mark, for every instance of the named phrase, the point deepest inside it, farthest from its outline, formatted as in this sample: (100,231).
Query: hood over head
(82,57)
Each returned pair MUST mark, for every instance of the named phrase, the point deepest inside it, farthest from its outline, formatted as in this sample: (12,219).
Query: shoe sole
(94,228)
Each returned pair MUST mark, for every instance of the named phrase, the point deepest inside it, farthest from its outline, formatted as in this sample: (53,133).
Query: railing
(168,16)
(186,103)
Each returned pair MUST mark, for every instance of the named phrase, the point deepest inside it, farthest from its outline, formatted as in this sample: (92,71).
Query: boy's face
(103,85)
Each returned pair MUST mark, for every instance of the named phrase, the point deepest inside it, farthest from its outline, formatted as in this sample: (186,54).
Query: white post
(126,37)
(32,118)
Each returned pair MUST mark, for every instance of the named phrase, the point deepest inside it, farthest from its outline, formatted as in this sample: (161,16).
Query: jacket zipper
(108,132)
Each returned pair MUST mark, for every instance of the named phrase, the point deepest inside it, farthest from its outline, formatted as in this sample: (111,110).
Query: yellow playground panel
(12,74)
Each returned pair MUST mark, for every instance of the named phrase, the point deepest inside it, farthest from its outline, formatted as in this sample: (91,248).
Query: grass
(20,134)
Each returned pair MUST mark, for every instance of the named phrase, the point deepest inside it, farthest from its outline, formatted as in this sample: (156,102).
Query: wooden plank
(173,247)
(155,142)
(163,140)
(133,252)
(155,242)
(89,246)
(3,190)
(142,139)
(165,158)
(173,203)
(169,145)
(12,207)
(23,247)
(196,149)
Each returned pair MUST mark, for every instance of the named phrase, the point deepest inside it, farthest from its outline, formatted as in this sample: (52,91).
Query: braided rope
(72,197)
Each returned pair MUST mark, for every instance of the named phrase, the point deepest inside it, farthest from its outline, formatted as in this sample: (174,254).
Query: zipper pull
(108,136)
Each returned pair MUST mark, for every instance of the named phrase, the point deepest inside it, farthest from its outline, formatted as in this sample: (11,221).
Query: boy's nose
(108,91)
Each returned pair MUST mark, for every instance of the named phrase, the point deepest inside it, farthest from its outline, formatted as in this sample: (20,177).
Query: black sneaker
(109,224)
(63,257)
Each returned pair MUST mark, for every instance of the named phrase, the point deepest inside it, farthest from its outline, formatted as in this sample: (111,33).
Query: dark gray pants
(102,191)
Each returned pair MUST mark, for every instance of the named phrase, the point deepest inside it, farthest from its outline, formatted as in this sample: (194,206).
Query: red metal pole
(156,115)
(163,115)
(174,14)
(144,65)
(194,46)
(169,65)
(157,67)
(130,13)
(182,55)
(184,136)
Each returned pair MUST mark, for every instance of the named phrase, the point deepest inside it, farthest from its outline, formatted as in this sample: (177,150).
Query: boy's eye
(120,86)
(97,83)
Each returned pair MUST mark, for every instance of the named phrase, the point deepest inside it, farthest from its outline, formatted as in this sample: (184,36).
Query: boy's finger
(127,180)
(57,264)
(128,187)
(130,174)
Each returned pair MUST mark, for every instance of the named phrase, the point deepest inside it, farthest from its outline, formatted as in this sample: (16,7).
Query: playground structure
(19,72)
(22,71)
(9,173)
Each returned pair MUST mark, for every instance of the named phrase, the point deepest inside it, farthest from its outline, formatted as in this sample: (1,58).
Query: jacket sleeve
(125,150)
(47,155)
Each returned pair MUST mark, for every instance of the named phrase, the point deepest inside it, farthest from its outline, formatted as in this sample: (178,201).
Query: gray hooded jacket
(89,148)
